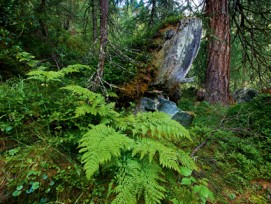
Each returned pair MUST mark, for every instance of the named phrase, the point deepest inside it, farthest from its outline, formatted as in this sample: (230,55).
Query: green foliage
(51,76)
(100,145)
(255,115)
(231,147)
(92,103)
(44,118)
(38,172)
(141,152)
(9,63)
(45,76)
(139,178)
(158,125)
(167,156)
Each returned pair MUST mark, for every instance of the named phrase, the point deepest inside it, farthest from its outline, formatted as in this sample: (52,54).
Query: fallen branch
(198,147)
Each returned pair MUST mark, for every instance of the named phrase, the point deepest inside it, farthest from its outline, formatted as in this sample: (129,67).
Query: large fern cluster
(88,102)
(141,148)
(137,151)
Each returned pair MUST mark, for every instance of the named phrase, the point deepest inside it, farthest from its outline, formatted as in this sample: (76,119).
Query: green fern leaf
(186,160)
(139,178)
(84,92)
(100,145)
(159,125)
(45,76)
(95,103)
(168,157)
(85,109)
(128,183)
(74,68)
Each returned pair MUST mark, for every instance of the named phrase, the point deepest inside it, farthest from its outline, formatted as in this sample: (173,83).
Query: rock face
(173,60)
(244,95)
(169,107)
(179,50)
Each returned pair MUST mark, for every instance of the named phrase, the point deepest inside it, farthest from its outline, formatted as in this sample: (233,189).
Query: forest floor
(235,156)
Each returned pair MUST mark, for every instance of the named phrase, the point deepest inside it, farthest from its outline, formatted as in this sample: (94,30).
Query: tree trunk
(41,11)
(94,21)
(218,62)
(153,13)
(103,42)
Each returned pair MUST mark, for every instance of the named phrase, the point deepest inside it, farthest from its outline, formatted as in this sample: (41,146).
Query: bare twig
(198,147)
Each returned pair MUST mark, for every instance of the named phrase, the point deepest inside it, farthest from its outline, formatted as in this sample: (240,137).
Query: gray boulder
(148,104)
(244,95)
(180,49)
(184,118)
(169,107)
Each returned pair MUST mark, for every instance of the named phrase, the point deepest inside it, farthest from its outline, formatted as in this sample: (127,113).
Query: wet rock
(184,118)
(148,104)
(244,95)
(169,107)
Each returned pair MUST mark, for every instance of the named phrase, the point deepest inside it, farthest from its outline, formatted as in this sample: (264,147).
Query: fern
(95,103)
(100,145)
(45,76)
(159,125)
(141,160)
(186,160)
(74,68)
(139,178)
(84,92)
(168,157)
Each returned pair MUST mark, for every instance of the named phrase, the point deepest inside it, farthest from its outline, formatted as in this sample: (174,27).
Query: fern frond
(84,109)
(168,157)
(95,103)
(74,68)
(45,76)
(159,125)
(139,178)
(186,160)
(128,184)
(100,145)
(126,123)
(84,92)
(153,191)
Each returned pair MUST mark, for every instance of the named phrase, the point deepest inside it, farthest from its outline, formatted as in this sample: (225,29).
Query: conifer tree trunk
(94,21)
(103,42)
(218,62)
(153,12)
(41,11)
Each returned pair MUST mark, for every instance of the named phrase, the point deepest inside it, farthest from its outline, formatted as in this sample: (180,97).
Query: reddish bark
(218,62)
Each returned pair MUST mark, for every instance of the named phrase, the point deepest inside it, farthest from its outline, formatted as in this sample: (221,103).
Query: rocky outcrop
(175,58)
(169,107)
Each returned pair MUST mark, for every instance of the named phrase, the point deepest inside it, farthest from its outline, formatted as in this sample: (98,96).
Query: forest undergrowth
(232,147)
(62,143)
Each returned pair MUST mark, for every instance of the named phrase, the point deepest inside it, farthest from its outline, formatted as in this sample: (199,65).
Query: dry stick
(112,85)
(198,147)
